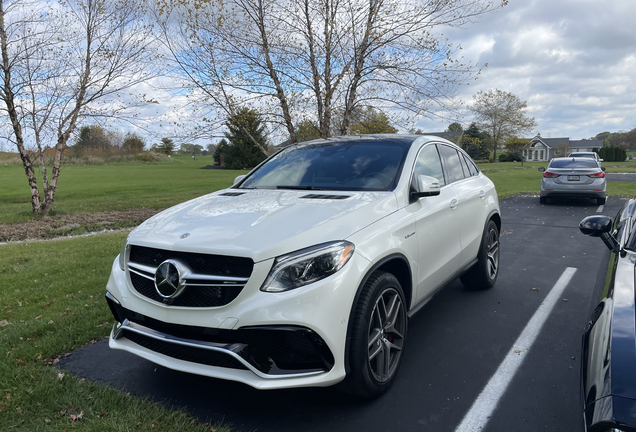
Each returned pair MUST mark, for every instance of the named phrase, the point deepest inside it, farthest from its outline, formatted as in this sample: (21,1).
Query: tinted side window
(471,166)
(452,166)
(428,163)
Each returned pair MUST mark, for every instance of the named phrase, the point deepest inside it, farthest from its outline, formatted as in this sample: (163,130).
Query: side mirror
(238,179)
(542,169)
(600,160)
(424,186)
(599,226)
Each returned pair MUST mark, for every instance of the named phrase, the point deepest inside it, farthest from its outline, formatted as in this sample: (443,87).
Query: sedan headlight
(122,255)
(306,266)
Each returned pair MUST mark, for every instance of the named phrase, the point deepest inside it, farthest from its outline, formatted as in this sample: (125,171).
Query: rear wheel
(600,201)
(543,200)
(484,274)
(378,335)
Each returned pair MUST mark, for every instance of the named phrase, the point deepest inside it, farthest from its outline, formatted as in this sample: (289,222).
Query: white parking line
(479,414)
(600,208)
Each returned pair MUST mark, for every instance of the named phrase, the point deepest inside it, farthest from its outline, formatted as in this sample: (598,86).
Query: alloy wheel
(386,335)
(493,253)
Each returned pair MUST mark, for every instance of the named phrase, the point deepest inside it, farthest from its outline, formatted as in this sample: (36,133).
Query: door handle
(454,203)
(482,194)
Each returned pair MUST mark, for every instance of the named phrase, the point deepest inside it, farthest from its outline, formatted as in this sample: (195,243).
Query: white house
(544,149)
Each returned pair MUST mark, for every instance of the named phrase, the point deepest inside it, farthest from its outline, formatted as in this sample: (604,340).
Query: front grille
(204,296)
(181,352)
(212,281)
(218,265)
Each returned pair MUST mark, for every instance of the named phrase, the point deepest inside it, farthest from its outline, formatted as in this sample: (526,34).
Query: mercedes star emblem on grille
(168,280)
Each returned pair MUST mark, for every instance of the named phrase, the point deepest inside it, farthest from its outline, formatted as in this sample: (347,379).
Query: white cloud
(571,60)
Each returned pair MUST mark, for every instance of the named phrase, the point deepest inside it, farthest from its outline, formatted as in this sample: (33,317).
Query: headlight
(122,255)
(306,266)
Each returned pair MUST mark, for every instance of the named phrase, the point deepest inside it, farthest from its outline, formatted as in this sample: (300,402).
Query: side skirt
(415,309)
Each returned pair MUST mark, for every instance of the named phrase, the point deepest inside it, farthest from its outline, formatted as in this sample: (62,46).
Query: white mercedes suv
(305,271)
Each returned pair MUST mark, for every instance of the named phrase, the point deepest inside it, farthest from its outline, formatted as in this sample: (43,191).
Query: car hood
(262,224)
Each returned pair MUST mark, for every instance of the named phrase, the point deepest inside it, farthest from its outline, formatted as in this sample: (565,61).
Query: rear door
(472,207)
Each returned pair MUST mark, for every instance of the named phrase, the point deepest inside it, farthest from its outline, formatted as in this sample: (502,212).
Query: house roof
(553,142)
(591,143)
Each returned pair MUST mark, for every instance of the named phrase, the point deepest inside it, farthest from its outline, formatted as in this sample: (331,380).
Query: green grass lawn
(95,188)
(53,302)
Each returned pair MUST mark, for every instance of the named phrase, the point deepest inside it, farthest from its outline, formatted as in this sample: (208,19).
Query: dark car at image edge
(608,358)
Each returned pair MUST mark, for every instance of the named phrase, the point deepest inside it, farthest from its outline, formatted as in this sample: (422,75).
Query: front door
(438,226)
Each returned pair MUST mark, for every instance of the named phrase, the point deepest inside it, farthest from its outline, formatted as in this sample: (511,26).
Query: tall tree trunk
(314,70)
(9,99)
(360,54)
(280,93)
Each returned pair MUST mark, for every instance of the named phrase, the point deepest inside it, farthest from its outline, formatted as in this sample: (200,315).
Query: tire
(380,321)
(543,200)
(483,275)
(600,201)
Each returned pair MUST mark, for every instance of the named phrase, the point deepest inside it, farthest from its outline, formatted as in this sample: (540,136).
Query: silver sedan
(573,177)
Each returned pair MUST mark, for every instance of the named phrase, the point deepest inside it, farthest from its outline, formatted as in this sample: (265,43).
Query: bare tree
(61,63)
(502,115)
(303,60)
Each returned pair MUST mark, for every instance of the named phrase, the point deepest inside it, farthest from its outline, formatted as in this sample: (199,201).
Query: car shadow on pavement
(571,202)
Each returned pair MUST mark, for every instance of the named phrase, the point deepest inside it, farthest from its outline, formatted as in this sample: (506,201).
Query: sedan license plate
(573,178)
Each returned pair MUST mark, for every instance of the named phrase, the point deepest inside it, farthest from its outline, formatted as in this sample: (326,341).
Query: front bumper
(266,340)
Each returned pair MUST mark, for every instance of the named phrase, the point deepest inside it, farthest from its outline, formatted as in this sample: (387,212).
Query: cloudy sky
(573,61)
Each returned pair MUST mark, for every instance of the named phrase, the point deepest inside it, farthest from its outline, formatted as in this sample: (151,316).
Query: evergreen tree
(242,152)
(221,148)
(476,142)
(166,146)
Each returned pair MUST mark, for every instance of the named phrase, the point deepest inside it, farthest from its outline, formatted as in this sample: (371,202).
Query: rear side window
(452,165)
(471,166)
(569,163)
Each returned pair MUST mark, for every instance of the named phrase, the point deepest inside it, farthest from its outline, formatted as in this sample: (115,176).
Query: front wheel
(378,335)
(484,274)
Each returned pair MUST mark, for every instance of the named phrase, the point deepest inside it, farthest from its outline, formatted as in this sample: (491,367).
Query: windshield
(573,163)
(365,165)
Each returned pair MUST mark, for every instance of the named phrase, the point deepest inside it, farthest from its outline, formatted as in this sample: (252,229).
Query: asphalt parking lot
(456,343)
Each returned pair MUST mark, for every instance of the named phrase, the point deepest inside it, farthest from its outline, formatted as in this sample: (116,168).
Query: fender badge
(184,235)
